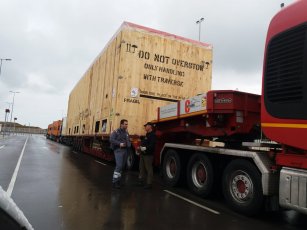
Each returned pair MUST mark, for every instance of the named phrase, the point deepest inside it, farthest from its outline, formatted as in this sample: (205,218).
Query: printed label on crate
(168,110)
(193,104)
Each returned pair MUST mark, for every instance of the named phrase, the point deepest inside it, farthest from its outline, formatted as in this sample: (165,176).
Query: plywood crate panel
(138,71)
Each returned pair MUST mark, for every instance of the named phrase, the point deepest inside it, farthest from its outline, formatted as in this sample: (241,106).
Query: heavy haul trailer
(250,174)
(138,71)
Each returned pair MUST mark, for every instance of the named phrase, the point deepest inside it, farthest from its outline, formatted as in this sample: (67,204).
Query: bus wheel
(242,187)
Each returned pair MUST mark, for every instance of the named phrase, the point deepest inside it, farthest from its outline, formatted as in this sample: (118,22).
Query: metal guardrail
(10,131)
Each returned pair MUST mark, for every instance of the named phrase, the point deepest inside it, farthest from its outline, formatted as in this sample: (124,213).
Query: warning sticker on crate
(134,92)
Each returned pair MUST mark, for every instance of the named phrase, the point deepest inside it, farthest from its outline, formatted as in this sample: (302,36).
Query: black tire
(74,145)
(242,187)
(132,160)
(171,168)
(200,176)
(80,146)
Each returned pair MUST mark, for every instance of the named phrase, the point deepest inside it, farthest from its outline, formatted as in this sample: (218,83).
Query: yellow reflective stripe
(193,114)
(282,125)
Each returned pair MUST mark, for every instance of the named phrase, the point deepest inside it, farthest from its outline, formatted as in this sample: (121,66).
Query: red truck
(263,161)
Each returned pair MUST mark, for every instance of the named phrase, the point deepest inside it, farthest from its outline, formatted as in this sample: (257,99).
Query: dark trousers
(146,168)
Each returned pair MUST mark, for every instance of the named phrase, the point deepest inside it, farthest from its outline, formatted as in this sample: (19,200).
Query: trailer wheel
(74,145)
(132,160)
(242,187)
(171,168)
(200,175)
(79,145)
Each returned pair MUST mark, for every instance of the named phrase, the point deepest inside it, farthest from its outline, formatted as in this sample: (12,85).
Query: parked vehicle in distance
(54,130)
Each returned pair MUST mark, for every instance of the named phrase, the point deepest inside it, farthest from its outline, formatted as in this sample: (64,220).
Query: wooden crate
(138,71)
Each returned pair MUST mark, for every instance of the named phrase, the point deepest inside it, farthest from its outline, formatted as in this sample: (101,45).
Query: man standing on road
(120,144)
(146,157)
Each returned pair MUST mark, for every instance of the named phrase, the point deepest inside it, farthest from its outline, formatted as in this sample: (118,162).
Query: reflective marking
(100,162)
(13,180)
(192,202)
(1,147)
(282,125)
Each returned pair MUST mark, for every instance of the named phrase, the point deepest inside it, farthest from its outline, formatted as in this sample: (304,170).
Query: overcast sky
(53,42)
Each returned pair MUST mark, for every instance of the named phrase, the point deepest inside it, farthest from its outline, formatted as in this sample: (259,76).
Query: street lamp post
(3,59)
(5,118)
(14,92)
(199,23)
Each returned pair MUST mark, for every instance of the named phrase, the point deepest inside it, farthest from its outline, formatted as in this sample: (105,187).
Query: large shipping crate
(139,70)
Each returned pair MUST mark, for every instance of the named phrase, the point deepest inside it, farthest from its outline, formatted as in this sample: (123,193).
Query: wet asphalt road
(60,189)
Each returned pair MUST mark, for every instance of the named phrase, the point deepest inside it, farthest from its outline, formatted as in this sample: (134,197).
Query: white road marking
(192,202)
(14,177)
(1,147)
(100,162)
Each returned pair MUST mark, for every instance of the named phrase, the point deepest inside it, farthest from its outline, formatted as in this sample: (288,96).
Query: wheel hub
(173,167)
(199,174)
(241,186)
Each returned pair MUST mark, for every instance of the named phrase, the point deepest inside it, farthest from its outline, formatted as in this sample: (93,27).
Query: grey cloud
(52,43)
